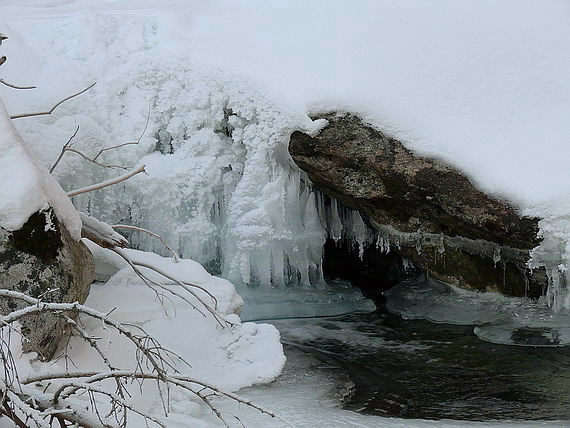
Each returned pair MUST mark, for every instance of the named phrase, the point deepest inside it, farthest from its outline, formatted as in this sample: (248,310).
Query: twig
(104,149)
(18,116)
(10,85)
(148,281)
(186,286)
(140,229)
(63,149)
(115,398)
(181,381)
(36,306)
(106,183)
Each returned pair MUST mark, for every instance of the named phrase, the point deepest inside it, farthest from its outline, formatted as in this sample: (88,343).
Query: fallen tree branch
(100,232)
(44,113)
(106,183)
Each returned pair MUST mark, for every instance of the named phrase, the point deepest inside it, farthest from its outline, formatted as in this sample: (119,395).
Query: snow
(229,358)
(485,91)
(27,186)
(479,84)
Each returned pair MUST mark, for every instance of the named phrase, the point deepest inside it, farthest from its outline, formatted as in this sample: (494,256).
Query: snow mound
(27,187)
(229,358)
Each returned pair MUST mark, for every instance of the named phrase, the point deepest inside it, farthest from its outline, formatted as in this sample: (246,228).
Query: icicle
(335,227)
(497,255)
(441,244)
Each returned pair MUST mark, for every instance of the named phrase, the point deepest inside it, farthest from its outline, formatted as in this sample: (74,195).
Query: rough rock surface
(39,257)
(430,212)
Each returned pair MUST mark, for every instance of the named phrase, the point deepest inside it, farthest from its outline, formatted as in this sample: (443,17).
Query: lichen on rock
(43,261)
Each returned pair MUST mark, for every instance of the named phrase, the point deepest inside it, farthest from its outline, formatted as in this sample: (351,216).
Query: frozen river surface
(376,369)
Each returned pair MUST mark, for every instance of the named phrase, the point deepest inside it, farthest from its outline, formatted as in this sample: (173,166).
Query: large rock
(42,260)
(429,212)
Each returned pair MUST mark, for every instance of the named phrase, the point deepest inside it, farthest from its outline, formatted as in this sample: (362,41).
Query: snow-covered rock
(40,253)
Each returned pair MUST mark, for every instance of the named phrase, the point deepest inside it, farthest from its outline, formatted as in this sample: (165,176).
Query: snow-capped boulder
(430,212)
(41,253)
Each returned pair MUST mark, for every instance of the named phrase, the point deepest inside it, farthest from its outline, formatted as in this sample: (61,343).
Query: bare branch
(181,381)
(186,286)
(140,229)
(118,146)
(106,183)
(36,306)
(100,232)
(87,158)
(18,116)
(66,145)
(149,282)
(10,85)
(114,397)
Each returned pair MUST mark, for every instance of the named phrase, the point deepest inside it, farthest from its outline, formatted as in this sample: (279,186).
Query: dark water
(417,369)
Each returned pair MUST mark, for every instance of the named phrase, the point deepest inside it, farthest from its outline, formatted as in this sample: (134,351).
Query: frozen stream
(355,370)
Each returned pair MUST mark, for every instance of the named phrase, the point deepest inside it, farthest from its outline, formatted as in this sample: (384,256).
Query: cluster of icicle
(553,254)
(221,187)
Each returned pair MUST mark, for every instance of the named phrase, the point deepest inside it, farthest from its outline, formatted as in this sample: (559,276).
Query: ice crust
(496,318)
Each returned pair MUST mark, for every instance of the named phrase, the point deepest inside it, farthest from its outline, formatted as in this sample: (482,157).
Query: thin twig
(182,381)
(106,183)
(118,146)
(87,158)
(140,229)
(2,81)
(18,116)
(63,149)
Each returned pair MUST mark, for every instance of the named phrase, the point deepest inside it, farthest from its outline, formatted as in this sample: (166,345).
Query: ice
(221,187)
(553,255)
(497,318)
(337,297)
(306,396)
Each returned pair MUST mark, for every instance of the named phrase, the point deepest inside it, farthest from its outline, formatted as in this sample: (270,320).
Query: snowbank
(479,83)
(229,358)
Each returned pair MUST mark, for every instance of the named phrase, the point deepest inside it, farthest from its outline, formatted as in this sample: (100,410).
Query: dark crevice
(374,272)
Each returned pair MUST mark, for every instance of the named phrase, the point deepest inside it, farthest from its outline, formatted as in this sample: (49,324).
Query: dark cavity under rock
(428,211)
